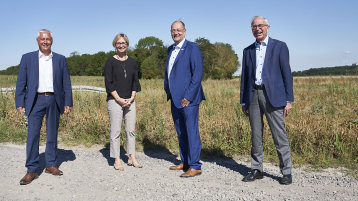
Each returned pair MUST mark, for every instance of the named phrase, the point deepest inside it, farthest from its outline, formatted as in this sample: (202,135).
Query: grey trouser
(260,105)
(116,114)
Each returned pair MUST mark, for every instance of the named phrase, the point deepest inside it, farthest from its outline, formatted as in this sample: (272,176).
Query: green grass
(322,127)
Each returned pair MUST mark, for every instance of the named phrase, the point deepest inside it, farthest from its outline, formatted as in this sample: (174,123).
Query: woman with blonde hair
(122,84)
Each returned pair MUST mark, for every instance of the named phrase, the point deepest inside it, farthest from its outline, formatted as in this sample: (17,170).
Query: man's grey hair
(266,21)
(42,31)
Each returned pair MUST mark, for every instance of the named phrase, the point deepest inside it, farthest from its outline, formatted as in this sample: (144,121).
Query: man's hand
(244,110)
(287,109)
(185,102)
(67,109)
(21,110)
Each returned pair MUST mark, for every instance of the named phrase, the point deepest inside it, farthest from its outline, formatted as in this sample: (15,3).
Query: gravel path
(89,175)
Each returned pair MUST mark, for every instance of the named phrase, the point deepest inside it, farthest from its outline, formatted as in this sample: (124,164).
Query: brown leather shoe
(54,171)
(191,173)
(181,166)
(28,178)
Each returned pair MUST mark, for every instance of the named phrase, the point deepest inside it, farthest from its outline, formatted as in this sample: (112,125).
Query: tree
(96,64)
(13,70)
(151,67)
(153,52)
(78,64)
(74,53)
(219,60)
(208,52)
(226,60)
(149,42)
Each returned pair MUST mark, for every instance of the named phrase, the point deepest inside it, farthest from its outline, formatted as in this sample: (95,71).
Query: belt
(259,87)
(46,93)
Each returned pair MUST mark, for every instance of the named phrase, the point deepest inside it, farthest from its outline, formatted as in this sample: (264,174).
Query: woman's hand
(122,102)
(129,101)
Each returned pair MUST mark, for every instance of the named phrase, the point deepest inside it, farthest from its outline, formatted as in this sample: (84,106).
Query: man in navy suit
(266,88)
(43,88)
(182,84)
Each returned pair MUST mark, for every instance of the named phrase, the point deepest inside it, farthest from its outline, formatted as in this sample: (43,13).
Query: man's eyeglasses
(176,30)
(121,43)
(259,26)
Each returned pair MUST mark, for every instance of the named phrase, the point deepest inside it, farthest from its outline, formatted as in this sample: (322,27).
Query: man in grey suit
(266,88)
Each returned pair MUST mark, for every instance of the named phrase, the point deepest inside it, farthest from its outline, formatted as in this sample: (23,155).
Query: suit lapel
(269,48)
(253,57)
(181,52)
(36,67)
(54,67)
(170,50)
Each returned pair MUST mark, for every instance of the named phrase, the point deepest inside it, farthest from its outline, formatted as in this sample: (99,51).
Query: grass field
(322,126)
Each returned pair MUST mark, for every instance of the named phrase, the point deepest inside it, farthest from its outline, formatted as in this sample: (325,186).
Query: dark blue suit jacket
(186,75)
(28,81)
(277,76)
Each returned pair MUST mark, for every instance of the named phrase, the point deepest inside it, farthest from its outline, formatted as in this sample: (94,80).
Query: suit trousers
(186,122)
(116,114)
(261,105)
(43,105)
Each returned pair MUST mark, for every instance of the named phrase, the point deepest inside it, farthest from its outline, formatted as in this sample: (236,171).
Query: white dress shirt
(174,55)
(260,59)
(45,73)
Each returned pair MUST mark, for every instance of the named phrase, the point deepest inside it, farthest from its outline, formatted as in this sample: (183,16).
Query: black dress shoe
(254,174)
(286,179)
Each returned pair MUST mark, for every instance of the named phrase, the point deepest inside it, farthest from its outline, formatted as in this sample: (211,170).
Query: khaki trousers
(116,114)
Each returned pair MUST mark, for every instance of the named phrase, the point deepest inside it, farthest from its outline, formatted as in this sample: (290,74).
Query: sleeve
(242,83)
(21,84)
(196,65)
(136,85)
(286,72)
(166,81)
(108,78)
(67,88)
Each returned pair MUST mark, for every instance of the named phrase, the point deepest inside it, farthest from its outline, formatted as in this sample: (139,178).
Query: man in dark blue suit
(266,88)
(43,88)
(182,84)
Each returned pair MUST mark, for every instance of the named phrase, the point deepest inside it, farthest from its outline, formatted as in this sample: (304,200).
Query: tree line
(325,71)
(219,60)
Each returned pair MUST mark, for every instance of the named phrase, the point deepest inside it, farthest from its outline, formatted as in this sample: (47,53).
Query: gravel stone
(89,175)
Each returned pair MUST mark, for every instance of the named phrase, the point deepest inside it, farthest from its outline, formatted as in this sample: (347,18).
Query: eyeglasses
(176,30)
(121,43)
(259,26)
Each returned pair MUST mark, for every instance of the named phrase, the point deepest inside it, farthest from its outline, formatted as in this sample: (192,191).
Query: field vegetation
(322,126)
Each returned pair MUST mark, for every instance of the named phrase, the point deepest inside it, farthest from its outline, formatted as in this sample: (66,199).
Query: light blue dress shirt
(260,59)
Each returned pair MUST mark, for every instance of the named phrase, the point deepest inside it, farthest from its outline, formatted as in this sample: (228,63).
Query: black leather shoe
(286,179)
(254,174)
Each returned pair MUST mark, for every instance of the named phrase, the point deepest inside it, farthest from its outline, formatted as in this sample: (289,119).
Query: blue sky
(319,33)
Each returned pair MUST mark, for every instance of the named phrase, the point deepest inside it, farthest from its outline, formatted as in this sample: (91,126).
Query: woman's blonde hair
(117,37)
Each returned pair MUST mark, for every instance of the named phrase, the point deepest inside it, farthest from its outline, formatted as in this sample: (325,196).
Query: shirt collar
(179,45)
(41,55)
(264,43)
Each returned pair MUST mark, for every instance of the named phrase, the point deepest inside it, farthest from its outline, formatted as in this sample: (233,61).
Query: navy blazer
(277,76)
(185,76)
(28,81)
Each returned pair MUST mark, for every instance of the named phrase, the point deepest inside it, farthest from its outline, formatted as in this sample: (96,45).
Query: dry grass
(322,127)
